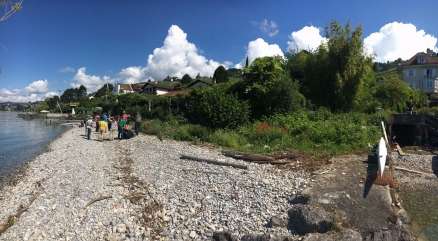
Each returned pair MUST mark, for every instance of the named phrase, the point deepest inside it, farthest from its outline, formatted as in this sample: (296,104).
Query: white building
(421,72)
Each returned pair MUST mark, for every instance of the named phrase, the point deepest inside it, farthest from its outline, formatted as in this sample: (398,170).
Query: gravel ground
(139,189)
(427,164)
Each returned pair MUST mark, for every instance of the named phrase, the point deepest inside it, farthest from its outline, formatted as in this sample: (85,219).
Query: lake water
(422,207)
(21,140)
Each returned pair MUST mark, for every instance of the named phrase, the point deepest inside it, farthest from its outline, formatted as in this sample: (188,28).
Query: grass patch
(316,133)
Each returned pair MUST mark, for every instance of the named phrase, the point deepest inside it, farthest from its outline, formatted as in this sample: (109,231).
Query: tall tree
(186,79)
(220,75)
(81,92)
(74,94)
(336,71)
(268,88)
(106,89)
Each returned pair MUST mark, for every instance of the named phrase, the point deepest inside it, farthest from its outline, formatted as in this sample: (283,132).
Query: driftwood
(12,219)
(97,200)
(214,162)
(412,171)
(399,150)
(249,157)
(255,158)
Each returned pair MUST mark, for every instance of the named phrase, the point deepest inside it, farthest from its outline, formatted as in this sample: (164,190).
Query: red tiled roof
(429,59)
(138,87)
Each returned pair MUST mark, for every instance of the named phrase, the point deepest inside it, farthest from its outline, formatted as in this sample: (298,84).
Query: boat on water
(382,152)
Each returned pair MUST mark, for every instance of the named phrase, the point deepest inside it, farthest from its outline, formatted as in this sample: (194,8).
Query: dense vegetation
(329,100)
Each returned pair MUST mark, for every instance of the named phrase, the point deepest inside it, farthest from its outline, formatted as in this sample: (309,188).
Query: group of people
(107,125)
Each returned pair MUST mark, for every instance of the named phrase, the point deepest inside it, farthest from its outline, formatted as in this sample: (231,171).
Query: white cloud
(67,69)
(260,48)
(133,74)
(37,87)
(398,40)
(51,94)
(20,95)
(177,57)
(307,38)
(91,82)
(269,27)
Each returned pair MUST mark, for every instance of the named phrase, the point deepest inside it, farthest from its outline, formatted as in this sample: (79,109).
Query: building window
(411,73)
(429,73)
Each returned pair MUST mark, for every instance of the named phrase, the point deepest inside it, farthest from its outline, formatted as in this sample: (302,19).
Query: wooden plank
(214,162)
(249,157)
(413,171)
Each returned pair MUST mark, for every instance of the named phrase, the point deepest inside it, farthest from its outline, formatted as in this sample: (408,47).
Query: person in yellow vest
(103,128)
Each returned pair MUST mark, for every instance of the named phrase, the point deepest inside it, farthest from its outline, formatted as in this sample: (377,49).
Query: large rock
(265,237)
(399,233)
(305,219)
(344,235)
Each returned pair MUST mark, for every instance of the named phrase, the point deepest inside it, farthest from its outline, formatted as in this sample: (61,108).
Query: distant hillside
(10,106)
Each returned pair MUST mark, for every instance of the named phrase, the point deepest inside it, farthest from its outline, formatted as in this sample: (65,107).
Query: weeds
(316,133)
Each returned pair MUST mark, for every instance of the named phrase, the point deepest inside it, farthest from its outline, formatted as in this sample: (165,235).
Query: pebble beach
(140,189)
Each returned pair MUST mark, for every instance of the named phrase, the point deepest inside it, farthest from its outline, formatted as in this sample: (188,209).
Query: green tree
(268,88)
(394,94)
(74,94)
(41,106)
(335,73)
(186,79)
(52,102)
(81,92)
(296,64)
(220,75)
(104,90)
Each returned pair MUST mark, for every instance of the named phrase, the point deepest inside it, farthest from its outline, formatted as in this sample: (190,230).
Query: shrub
(153,127)
(214,108)
(229,139)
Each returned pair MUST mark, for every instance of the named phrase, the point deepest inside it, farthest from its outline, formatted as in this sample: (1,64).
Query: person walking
(96,119)
(113,124)
(137,123)
(125,116)
(121,128)
(103,129)
(89,127)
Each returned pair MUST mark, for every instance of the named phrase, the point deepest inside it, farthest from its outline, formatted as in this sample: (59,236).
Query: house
(200,83)
(129,88)
(161,88)
(421,72)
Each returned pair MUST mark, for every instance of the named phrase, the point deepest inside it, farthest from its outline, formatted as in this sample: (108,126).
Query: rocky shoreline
(140,189)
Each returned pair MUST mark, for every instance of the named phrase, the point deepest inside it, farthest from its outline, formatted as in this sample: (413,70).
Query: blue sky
(107,36)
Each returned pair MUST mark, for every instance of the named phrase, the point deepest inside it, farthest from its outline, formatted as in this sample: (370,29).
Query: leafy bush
(317,132)
(228,138)
(214,108)
(268,88)
(152,127)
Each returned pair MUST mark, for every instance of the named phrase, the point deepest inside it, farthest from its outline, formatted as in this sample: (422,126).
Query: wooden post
(385,136)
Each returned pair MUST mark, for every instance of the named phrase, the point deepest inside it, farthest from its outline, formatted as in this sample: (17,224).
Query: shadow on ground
(435,165)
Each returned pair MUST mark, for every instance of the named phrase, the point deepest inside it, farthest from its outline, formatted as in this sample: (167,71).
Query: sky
(49,46)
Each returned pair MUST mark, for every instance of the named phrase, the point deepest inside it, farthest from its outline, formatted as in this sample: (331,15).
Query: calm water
(422,207)
(20,140)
